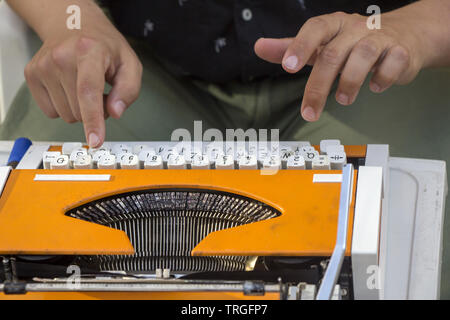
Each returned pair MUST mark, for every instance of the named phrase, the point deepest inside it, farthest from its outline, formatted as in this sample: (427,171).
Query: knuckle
(358,18)
(331,56)
(85,44)
(302,45)
(386,78)
(60,56)
(86,89)
(132,92)
(318,22)
(42,65)
(358,23)
(401,54)
(93,119)
(366,48)
(315,93)
(348,84)
(339,14)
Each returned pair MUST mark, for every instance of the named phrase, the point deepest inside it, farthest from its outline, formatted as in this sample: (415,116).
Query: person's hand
(67,76)
(341,43)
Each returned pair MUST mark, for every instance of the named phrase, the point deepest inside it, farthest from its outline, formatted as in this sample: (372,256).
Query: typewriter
(211,220)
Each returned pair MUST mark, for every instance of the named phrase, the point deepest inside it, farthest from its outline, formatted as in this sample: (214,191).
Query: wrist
(55,24)
(48,18)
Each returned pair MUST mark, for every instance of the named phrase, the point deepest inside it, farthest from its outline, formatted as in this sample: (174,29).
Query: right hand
(67,77)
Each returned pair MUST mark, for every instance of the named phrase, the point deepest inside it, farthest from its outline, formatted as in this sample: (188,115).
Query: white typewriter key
(297,148)
(337,160)
(214,154)
(97,155)
(229,149)
(329,142)
(213,146)
(176,162)
(183,148)
(61,162)
(68,147)
(153,162)
(195,152)
(225,162)
(75,154)
(306,149)
(253,149)
(200,162)
(262,147)
(248,163)
(107,161)
(169,152)
(83,162)
(274,147)
(120,157)
(296,163)
(321,163)
(240,153)
(286,149)
(263,153)
(333,149)
(120,148)
(285,153)
(139,147)
(48,156)
(161,148)
(216,149)
(299,144)
(145,154)
(309,157)
(167,155)
(272,163)
(129,161)
(93,151)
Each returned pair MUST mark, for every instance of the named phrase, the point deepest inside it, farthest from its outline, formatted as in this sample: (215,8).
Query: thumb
(126,87)
(272,50)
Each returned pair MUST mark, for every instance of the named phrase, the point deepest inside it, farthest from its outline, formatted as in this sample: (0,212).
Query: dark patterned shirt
(213,39)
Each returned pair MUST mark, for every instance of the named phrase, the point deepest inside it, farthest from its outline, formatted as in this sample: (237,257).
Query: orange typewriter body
(33,218)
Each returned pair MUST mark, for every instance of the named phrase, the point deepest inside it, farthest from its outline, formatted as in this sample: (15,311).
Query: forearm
(429,22)
(48,17)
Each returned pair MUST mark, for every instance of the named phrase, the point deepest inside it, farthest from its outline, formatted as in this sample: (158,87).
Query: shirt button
(247,14)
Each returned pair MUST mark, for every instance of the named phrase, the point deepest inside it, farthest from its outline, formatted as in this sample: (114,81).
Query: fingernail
(375,87)
(343,99)
(291,62)
(119,107)
(309,114)
(93,140)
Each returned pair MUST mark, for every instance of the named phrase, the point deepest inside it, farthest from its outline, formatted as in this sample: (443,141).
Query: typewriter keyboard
(330,155)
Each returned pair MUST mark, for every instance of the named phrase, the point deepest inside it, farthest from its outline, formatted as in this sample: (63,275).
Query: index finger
(316,32)
(90,87)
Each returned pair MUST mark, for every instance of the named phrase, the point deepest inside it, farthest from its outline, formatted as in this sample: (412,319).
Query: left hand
(342,43)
